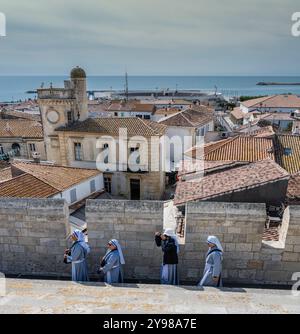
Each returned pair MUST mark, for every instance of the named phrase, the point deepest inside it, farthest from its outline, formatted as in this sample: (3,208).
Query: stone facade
(33,232)
(134,224)
(33,237)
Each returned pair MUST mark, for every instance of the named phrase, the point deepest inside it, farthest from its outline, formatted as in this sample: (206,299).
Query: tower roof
(78,73)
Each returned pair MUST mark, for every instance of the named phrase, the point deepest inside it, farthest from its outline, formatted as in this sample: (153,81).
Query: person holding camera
(169,243)
(111,263)
(77,256)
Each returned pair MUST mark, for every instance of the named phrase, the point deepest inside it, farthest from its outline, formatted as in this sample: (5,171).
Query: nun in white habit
(77,256)
(169,243)
(212,275)
(111,264)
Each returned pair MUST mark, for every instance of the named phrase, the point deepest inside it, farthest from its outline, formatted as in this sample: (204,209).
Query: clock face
(52,116)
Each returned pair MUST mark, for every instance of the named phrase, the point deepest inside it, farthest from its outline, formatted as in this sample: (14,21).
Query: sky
(150,37)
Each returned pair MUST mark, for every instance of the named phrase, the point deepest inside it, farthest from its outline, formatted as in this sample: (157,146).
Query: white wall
(83,189)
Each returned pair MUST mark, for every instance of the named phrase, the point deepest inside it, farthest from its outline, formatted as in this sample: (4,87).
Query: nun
(212,275)
(111,264)
(169,243)
(77,256)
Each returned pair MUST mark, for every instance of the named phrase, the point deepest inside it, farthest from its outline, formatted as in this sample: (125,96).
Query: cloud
(195,36)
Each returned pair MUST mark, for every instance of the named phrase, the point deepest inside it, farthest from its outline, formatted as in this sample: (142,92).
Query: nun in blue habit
(212,275)
(112,262)
(77,256)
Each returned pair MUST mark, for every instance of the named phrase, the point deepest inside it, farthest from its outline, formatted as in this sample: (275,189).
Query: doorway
(135,189)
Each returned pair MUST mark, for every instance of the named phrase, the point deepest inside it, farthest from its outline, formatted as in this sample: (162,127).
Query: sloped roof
(26,186)
(287,151)
(293,191)
(189,118)
(134,125)
(20,128)
(238,114)
(229,181)
(239,148)
(58,177)
(274,101)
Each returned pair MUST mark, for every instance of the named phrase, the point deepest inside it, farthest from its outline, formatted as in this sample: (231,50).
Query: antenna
(126,86)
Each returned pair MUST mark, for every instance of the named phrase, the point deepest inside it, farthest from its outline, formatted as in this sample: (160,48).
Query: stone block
(255,264)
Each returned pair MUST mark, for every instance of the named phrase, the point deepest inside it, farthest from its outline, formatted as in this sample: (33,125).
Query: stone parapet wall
(33,237)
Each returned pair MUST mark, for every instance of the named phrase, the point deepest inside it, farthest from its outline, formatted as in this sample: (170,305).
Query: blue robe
(79,265)
(213,268)
(113,269)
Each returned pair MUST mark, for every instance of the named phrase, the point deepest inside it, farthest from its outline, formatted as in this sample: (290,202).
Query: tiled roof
(11,114)
(26,186)
(189,118)
(229,181)
(5,174)
(189,166)
(237,113)
(20,128)
(287,151)
(134,125)
(58,177)
(274,101)
(264,132)
(293,191)
(239,148)
(167,111)
(256,102)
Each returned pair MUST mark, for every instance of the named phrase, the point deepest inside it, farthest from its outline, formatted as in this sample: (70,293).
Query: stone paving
(56,297)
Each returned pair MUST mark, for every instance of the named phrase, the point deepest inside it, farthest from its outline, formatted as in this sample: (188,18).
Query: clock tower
(60,107)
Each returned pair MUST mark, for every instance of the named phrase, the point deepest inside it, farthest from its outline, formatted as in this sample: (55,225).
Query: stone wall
(134,224)
(33,237)
(239,227)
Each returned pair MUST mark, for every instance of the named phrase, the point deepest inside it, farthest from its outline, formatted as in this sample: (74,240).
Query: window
(105,148)
(77,151)
(16,148)
(93,186)
(138,158)
(32,148)
(73,195)
(107,184)
(116,114)
(70,116)
(146,116)
(1,149)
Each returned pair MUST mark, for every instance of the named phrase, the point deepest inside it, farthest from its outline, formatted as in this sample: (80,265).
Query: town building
(74,139)
(21,138)
(185,128)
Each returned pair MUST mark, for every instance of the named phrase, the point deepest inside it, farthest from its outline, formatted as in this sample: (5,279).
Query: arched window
(17,149)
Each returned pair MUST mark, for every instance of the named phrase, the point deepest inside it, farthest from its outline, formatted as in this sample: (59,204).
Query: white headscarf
(116,243)
(214,240)
(170,233)
(81,239)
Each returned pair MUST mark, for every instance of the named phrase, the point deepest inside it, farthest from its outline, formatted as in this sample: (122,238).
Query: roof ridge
(147,125)
(266,99)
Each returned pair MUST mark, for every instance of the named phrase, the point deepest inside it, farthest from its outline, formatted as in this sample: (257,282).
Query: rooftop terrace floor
(56,297)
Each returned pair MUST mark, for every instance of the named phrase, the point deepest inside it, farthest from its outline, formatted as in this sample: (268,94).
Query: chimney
(36,157)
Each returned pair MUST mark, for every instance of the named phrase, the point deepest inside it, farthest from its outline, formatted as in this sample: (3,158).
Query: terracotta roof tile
(287,150)
(189,118)
(274,101)
(26,186)
(229,181)
(20,128)
(58,177)
(239,148)
(134,125)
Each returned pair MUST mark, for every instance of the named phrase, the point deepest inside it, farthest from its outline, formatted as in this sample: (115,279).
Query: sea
(14,88)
